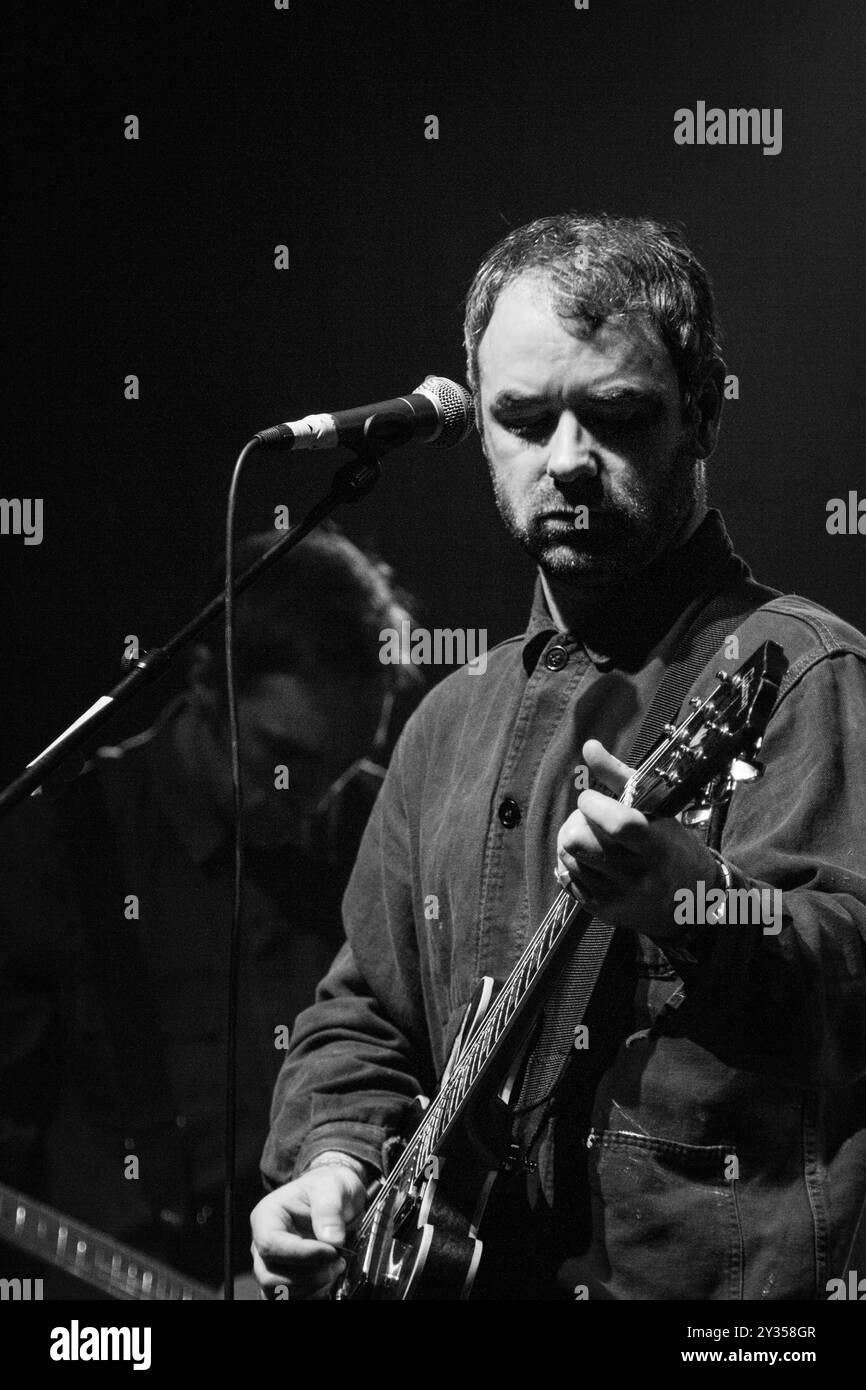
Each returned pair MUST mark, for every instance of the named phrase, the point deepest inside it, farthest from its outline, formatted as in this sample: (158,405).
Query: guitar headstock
(726,726)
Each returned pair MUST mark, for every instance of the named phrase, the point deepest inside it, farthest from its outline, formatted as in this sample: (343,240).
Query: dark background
(306,127)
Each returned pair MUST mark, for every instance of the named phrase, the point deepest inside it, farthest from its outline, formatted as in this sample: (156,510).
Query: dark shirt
(763,1060)
(65,1107)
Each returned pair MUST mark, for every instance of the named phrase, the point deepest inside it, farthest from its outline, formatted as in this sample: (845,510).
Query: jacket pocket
(666,1222)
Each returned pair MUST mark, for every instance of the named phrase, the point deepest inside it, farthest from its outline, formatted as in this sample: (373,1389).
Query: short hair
(318,612)
(600,267)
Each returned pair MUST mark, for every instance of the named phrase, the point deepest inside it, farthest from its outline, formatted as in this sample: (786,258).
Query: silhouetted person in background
(115,909)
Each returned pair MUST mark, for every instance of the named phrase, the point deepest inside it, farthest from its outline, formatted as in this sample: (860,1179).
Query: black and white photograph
(433,762)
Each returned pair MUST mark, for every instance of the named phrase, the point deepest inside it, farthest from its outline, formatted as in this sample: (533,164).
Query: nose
(571,452)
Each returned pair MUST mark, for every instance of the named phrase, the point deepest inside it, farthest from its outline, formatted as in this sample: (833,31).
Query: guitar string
(418,1149)
(430,1131)
(441,1112)
(540,945)
(436,1118)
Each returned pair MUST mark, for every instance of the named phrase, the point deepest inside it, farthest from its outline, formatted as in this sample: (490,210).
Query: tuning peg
(723,677)
(669,729)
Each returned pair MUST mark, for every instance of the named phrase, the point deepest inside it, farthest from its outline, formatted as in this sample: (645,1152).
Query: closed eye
(535,430)
(634,417)
(599,421)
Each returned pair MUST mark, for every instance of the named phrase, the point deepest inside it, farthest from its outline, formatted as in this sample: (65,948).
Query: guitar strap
(113,953)
(569,999)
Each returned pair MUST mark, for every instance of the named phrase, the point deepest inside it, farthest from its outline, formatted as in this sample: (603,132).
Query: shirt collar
(635,619)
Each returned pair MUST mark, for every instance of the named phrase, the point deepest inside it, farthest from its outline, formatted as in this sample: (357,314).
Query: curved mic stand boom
(352,481)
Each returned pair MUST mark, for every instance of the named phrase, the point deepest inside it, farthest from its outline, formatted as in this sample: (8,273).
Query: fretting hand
(623,867)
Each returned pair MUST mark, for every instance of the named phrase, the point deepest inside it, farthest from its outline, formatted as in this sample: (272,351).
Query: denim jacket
(724,1149)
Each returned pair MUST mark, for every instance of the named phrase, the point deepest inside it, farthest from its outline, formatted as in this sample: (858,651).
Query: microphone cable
(231,1045)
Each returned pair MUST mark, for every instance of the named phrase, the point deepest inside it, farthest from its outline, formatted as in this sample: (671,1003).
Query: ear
(705,410)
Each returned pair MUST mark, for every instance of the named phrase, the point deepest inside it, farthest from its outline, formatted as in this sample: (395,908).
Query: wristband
(332,1158)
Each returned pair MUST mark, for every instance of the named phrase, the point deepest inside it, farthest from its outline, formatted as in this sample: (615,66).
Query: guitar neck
(105,1264)
(729,722)
(516,1000)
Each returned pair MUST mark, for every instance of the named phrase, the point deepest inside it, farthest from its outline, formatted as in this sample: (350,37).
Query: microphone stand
(351,481)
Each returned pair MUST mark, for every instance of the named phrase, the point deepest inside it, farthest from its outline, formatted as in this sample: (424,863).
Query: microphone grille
(456,408)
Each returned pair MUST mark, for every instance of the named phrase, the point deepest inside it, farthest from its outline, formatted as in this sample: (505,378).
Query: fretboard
(90,1256)
(481,1052)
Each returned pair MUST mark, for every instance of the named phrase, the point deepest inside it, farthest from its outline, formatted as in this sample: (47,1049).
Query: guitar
(418,1238)
(79,1250)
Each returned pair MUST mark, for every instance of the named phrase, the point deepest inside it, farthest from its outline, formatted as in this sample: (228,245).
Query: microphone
(438,412)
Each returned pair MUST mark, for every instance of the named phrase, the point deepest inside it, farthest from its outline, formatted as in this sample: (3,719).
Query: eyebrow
(509,401)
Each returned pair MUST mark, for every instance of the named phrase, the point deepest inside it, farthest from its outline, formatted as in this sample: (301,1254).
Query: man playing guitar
(706,1139)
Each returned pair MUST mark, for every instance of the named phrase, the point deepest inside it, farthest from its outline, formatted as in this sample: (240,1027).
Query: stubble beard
(631,529)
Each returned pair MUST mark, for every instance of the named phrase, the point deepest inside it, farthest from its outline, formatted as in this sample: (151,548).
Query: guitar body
(423,1240)
(422,1246)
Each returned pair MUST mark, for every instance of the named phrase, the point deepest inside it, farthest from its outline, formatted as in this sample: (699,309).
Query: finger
(584,882)
(605,767)
(269,1280)
(319,1285)
(332,1207)
(307,1275)
(285,1250)
(578,838)
(612,825)
(282,1223)
(582,844)
(325,1292)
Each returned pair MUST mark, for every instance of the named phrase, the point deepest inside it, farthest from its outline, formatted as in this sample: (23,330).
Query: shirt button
(509,813)
(556,658)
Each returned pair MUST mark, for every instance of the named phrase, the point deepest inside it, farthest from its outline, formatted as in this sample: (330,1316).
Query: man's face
(574,419)
(315,730)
